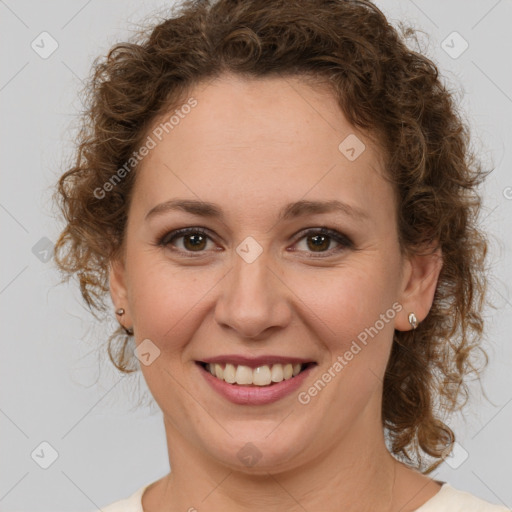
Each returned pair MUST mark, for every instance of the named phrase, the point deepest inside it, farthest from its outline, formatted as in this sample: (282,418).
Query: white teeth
(229,373)
(277,373)
(219,372)
(260,376)
(243,375)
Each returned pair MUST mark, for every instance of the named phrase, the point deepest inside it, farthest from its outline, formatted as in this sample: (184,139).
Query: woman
(280,199)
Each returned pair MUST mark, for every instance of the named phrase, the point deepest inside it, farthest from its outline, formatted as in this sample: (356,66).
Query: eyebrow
(289,211)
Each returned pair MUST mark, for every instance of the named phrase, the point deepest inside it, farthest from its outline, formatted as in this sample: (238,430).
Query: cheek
(351,315)
(336,304)
(343,304)
(167,301)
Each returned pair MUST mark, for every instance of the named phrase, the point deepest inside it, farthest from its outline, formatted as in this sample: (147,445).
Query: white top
(447,499)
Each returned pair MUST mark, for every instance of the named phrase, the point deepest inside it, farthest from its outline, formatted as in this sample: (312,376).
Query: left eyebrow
(201,208)
(289,211)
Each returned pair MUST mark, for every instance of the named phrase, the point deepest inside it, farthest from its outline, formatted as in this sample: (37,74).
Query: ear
(118,289)
(420,276)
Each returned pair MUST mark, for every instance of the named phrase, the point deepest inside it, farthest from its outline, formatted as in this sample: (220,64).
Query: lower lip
(255,395)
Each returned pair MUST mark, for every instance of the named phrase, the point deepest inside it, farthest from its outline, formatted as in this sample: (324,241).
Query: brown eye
(194,239)
(320,241)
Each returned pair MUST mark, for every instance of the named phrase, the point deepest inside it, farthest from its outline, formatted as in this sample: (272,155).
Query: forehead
(264,141)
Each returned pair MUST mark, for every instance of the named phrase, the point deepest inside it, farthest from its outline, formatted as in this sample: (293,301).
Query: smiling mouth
(265,375)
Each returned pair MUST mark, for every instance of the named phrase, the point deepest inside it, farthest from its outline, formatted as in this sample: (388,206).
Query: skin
(252,146)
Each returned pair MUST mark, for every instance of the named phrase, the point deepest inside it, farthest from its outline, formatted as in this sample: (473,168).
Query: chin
(254,450)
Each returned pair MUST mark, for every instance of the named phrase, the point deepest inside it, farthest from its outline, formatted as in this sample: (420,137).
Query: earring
(413,320)
(120,312)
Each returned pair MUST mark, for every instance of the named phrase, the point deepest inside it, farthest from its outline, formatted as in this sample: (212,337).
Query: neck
(356,474)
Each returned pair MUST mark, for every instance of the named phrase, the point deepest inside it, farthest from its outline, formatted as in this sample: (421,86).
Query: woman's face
(260,284)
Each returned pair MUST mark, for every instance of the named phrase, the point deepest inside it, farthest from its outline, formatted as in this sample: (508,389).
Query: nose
(254,300)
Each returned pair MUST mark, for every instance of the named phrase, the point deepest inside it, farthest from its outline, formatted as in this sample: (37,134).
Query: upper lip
(255,362)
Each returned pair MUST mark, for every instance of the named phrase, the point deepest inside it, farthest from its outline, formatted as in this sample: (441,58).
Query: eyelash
(344,241)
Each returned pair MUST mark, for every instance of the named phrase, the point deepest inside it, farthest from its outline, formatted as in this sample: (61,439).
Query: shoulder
(450,499)
(132,503)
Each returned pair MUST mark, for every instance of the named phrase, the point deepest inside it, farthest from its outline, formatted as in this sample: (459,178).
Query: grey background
(57,386)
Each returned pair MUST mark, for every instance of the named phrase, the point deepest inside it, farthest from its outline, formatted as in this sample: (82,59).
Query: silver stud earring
(127,330)
(413,320)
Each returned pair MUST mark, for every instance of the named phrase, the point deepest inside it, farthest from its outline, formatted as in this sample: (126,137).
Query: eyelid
(324,230)
(165,239)
(340,238)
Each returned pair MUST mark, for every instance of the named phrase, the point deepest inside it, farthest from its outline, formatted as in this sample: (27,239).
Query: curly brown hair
(392,93)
